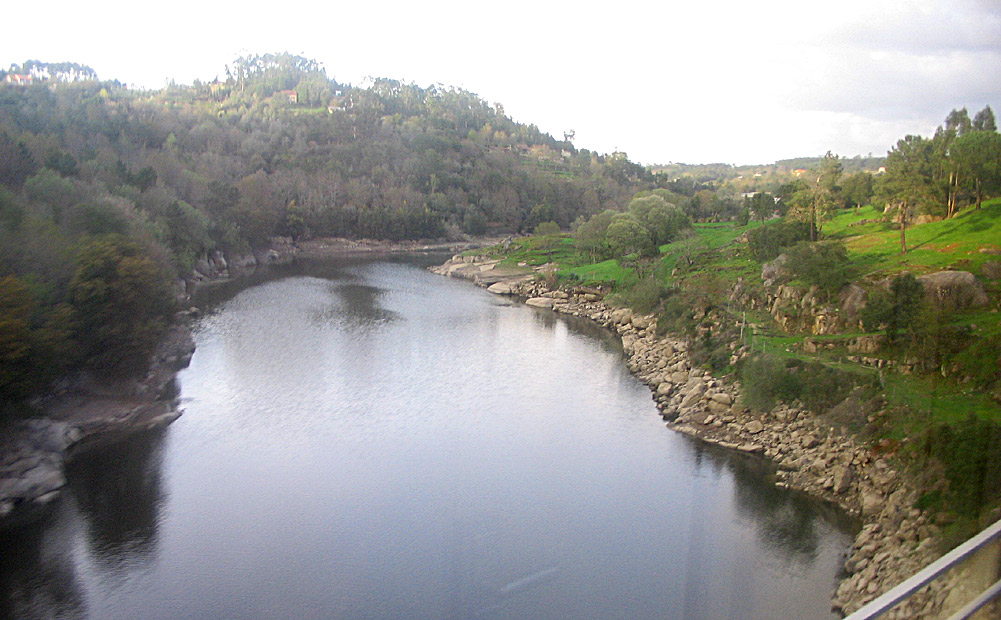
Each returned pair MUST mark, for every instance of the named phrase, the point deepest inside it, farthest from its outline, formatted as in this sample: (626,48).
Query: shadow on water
(786,522)
(212,294)
(119,493)
(359,306)
(37,575)
(581,326)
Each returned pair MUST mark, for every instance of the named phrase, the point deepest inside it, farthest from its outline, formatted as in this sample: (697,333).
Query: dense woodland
(109,194)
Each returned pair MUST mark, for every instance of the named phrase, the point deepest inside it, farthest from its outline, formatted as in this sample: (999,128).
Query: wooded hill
(108,194)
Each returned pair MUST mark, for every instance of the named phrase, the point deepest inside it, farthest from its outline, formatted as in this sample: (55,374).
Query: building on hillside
(291,95)
(798,172)
(20,79)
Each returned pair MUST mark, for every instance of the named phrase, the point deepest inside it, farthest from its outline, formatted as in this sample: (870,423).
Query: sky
(694,82)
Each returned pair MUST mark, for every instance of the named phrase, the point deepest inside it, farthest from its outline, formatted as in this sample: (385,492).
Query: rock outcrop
(83,414)
(954,289)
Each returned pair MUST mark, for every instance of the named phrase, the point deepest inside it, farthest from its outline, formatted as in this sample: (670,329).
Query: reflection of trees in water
(360,305)
(785,521)
(118,490)
(37,575)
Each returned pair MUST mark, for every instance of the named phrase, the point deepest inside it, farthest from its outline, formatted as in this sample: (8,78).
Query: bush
(970,452)
(822,264)
(768,241)
(644,296)
(769,380)
(895,309)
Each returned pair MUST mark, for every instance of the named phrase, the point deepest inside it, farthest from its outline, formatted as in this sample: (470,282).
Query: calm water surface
(368,440)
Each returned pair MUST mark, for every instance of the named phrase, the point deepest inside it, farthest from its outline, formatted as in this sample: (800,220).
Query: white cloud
(683,81)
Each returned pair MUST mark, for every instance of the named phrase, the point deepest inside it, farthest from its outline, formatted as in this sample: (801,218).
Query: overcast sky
(696,82)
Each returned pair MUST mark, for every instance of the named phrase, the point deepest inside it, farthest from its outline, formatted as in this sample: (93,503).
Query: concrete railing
(984,549)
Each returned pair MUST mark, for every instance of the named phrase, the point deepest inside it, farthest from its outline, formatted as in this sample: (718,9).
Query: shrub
(970,452)
(896,308)
(768,241)
(644,296)
(823,264)
(769,380)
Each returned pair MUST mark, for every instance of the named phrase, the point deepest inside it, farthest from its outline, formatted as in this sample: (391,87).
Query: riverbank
(895,539)
(80,414)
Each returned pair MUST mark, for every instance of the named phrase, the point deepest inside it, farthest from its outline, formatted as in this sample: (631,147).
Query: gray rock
(500,288)
(540,302)
(954,289)
(622,316)
(641,322)
(754,427)
(843,477)
(722,398)
(776,271)
(872,502)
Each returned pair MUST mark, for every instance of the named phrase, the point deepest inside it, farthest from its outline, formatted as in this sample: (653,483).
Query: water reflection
(359,306)
(119,493)
(785,521)
(38,578)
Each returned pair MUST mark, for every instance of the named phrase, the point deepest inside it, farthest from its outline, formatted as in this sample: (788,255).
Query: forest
(110,195)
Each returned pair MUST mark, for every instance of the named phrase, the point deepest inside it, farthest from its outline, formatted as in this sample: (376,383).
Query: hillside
(96,178)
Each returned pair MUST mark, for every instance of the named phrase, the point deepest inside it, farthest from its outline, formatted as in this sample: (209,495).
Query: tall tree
(958,122)
(978,157)
(984,120)
(909,183)
(858,189)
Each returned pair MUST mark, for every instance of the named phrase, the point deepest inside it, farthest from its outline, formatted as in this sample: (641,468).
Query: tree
(958,122)
(16,367)
(823,200)
(661,219)
(16,163)
(858,189)
(978,157)
(762,205)
(590,236)
(122,300)
(909,181)
(625,235)
(895,308)
(984,120)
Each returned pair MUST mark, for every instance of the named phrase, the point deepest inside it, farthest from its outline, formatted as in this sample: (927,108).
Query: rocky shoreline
(895,541)
(83,414)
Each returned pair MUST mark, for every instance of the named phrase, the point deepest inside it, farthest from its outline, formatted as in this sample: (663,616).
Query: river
(364,439)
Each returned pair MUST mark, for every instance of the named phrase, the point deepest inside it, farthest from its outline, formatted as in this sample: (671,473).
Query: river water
(368,440)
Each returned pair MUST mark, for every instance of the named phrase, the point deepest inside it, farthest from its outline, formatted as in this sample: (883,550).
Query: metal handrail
(894,597)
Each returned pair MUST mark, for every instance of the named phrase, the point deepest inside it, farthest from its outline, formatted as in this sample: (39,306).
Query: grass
(609,271)
(955,243)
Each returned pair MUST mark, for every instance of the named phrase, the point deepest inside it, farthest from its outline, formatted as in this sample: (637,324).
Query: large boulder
(776,271)
(954,289)
(500,288)
(540,302)
(851,301)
